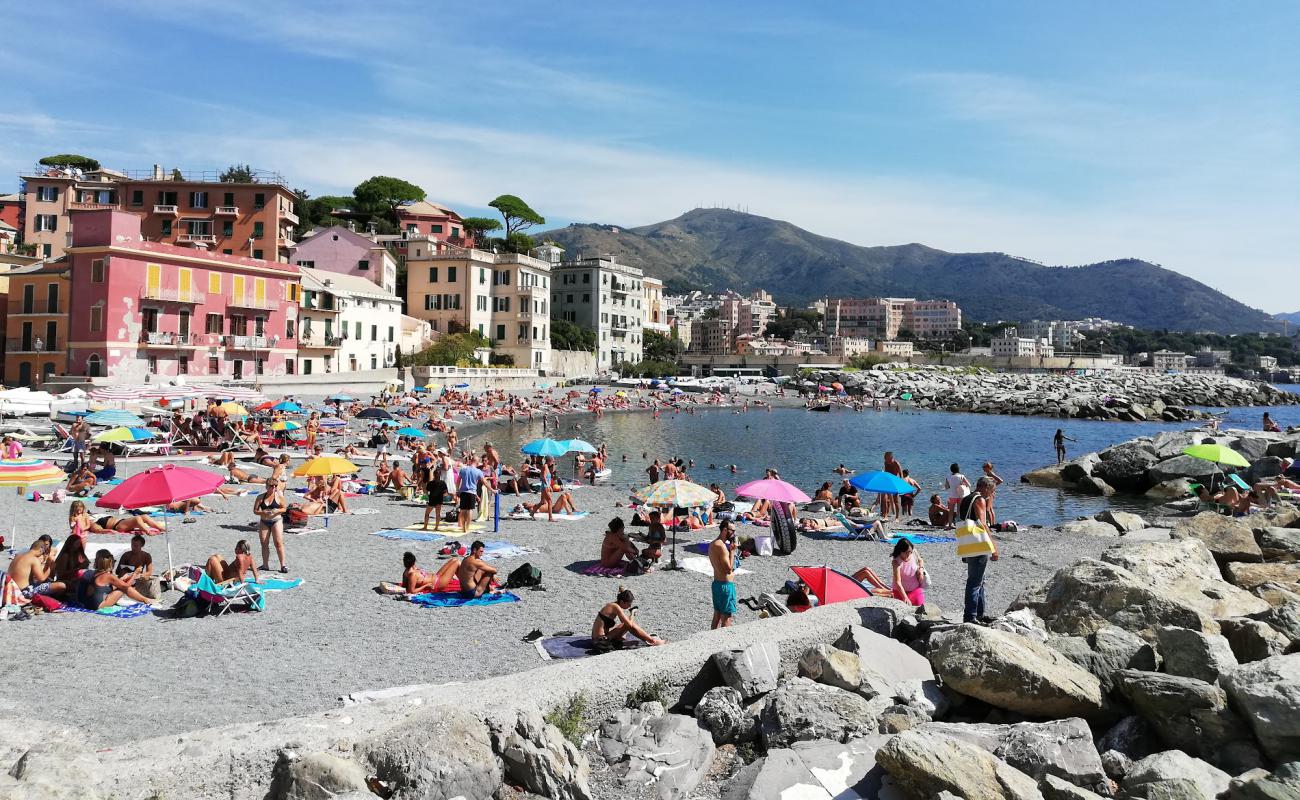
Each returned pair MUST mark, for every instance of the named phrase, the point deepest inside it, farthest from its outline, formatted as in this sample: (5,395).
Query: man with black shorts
(437,493)
(469,479)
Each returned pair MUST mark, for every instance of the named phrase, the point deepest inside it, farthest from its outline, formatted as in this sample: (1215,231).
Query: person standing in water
(1058,441)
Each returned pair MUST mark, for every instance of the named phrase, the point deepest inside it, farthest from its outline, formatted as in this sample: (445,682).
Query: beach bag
(763,546)
(972,539)
(523,577)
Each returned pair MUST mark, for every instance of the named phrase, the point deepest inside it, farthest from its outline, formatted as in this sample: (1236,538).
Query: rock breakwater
(1123,395)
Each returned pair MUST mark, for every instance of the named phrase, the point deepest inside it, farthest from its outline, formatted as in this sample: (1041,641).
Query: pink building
(141,309)
(347,252)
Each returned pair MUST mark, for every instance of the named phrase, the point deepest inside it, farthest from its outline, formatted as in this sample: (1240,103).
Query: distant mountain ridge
(717,249)
(1292,317)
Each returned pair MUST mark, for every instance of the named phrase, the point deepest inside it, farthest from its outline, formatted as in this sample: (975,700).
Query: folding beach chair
(1238,482)
(224,596)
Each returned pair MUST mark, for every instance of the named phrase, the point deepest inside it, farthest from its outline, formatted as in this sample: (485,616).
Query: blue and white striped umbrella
(113,417)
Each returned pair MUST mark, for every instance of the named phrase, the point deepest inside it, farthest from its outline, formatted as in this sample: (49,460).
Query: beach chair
(862,528)
(1238,482)
(63,437)
(224,596)
(159,446)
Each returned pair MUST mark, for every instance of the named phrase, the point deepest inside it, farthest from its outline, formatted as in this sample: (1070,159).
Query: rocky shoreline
(1120,395)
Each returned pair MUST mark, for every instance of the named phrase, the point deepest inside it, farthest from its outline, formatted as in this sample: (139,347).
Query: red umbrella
(161,486)
(831,585)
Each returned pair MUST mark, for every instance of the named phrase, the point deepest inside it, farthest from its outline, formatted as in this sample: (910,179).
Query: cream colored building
(503,296)
(347,323)
(602,295)
(656,311)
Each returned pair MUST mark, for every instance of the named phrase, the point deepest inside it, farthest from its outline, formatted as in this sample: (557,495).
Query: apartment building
(503,296)
(656,311)
(607,297)
(425,226)
(713,337)
(347,323)
(343,251)
(883,318)
(1010,344)
(36,322)
(253,219)
(142,308)
(748,315)
(12,207)
(1168,361)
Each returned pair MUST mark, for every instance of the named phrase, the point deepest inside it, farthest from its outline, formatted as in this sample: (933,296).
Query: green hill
(715,249)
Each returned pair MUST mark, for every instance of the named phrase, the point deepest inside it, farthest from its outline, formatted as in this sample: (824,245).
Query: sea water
(804,447)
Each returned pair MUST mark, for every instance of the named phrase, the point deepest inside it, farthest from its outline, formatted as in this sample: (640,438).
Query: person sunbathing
(824,495)
(474,573)
(614,622)
(940,514)
(907,565)
(551,502)
(417,581)
(142,523)
(823,524)
(264,458)
(617,550)
(102,589)
(82,481)
(873,529)
(221,570)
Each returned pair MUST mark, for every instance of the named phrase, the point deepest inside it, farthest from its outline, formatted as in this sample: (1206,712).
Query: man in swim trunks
(724,572)
(32,571)
(468,481)
(474,574)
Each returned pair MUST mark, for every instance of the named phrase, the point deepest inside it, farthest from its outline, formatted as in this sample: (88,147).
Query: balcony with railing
(174,211)
(251,301)
(620,327)
(315,341)
(80,205)
(227,211)
(172,295)
(18,308)
(285,213)
(197,238)
(236,342)
(620,287)
(33,345)
(164,339)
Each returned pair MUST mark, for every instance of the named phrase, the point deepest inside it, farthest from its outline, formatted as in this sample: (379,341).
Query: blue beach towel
(173,513)
(269,584)
(117,612)
(563,647)
(839,536)
(920,538)
(413,536)
(454,600)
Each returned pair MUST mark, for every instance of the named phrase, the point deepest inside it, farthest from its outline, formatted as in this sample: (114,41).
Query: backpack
(525,576)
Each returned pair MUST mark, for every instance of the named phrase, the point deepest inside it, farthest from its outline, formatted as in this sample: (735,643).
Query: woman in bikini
(102,589)
(313,429)
(142,523)
(417,581)
(270,508)
(614,621)
(221,570)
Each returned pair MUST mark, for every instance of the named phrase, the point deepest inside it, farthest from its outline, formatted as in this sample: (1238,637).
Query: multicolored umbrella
(777,491)
(124,435)
(544,447)
(326,465)
(1217,453)
(112,417)
(830,585)
(120,394)
(878,482)
(30,472)
(240,393)
(333,422)
(285,425)
(676,494)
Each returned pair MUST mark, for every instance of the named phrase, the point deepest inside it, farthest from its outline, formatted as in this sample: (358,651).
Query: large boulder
(1125,466)
(1046,478)
(878,663)
(1174,775)
(1279,544)
(1014,672)
(1123,521)
(1250,576)
(1181,468)
(1284,617)
(316,776)
(1184,571)
(57,770)
(1053,788)
(1193,654)
(1080,468)
(1172,489)
(1228,538)
(1106,650)
(1084,597)
(1254,640)
(1088,527)
(671,751)
(817,770)
(444,756)
(721,711)
(1062,747)
(1268,693)
(803,710)
(752,671)
(1131,736)
(1190,715)
(537,757)
(1282,784)
(925,764)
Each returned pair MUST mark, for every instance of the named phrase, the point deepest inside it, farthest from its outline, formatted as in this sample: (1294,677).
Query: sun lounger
(525,516)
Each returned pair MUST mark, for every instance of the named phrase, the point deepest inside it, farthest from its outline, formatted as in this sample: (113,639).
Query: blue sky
(1066,133)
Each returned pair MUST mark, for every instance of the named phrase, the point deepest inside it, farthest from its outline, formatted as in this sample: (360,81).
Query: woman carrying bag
(976,547)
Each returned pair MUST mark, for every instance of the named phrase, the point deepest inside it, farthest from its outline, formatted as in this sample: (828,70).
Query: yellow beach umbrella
(233,409)
(326,465)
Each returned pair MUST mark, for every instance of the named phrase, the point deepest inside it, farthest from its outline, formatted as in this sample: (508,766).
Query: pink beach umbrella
(161,486)
(777,491)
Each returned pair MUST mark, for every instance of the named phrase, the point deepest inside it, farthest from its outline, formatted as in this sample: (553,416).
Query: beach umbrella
(287,406)
(420,389)
(124,435)
(578,446)
(374,413)
(675,494)
(839,387)
(325,465)
(113,417)
(905,396)
(878,482)
(285,425)
(462,386)
(175,392)
(679,391)
(333,422)
(30,472)
(240,393)
(596,390)
(1217,453)
(620,393)
(389,423)
(777,491)
(408,431)
(162,486)
(233,409)
(118,394)
(830,585)
(544,447)
(341,398)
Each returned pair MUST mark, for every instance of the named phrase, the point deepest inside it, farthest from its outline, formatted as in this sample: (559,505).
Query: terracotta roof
(426,208)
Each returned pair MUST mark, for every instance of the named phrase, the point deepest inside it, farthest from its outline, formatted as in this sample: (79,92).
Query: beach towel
(498,550)
(171,513)
(301,531)
(838,536)
(562,647)
(269,584)
(411,536)
(703,565)
(117,612)
(454,600)
(364,511)
(919,538)
(450,527)
(604,572)
(541,515)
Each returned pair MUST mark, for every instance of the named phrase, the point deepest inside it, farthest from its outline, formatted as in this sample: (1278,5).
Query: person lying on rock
(614,621)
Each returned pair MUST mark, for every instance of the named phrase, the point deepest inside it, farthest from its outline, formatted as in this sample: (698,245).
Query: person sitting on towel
(474,573)
(614,621)
(417,581)
(617,550)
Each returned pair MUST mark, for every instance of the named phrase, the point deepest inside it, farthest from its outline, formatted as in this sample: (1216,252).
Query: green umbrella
(1217,453)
